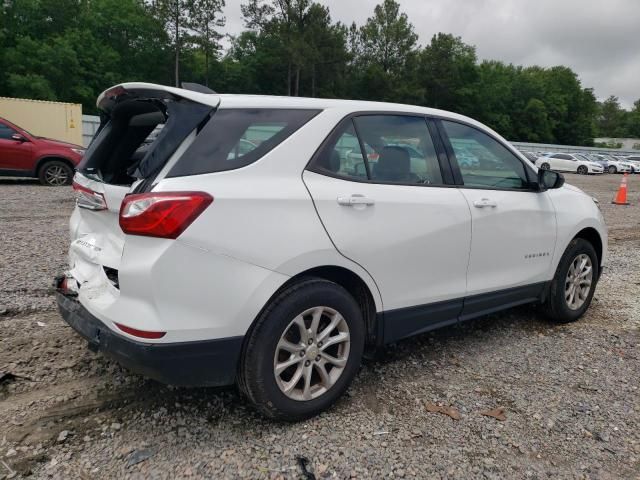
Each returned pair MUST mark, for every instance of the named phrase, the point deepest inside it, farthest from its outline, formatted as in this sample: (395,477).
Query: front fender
(575,212)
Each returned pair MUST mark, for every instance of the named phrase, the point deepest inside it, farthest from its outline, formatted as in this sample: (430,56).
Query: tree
(205,17)
(297,34)
(285,21)
(633,121)
(535,125)
(448,72)
(72,50)
(174,14)
(388,39)
(611,118)
(326,52)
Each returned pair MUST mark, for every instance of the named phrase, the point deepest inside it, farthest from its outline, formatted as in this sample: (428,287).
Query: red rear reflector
(87,198)
(140,333)
(161,214)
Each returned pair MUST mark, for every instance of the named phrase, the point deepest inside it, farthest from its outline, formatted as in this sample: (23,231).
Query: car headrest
(394,162)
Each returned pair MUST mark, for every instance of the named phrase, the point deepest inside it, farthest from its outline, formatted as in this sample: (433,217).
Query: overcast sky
(598,39)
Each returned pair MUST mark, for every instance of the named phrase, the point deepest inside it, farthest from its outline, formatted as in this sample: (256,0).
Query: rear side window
(381,149)
(234,138)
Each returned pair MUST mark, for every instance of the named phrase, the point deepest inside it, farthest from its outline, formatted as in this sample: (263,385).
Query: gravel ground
(569,393)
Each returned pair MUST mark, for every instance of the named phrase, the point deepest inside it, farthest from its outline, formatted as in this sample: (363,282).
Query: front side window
(484,162)
(6,132)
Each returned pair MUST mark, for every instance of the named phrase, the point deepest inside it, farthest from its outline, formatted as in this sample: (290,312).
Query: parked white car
(626,163)
(275,267)
(635,161)
(568,162)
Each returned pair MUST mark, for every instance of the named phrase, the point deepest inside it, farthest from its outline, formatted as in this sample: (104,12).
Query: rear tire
(582,170)
(55,173)
(613,169)
(568,296)
(311,382)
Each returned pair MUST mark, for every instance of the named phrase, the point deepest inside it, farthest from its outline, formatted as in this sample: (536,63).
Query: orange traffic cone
(621,196)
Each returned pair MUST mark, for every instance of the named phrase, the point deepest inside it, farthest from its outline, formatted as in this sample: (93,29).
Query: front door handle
(485,202)
(355,199)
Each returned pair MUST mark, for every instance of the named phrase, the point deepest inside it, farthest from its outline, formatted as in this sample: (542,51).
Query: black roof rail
(196,87)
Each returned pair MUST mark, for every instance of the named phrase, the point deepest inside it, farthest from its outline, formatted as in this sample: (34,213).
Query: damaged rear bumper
(199,363)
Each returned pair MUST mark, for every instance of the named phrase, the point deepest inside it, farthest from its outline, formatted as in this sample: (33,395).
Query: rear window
(234,138)
(139,136)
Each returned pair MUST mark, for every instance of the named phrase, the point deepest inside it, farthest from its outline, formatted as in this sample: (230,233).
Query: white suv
(243,245)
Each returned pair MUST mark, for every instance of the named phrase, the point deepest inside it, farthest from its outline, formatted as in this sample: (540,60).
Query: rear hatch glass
(146,134)
(138,136)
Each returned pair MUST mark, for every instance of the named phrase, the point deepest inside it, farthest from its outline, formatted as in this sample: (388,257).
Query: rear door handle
(355,199)
(485,202)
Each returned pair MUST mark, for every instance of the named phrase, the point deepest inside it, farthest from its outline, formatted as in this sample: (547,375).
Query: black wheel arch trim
(51,158)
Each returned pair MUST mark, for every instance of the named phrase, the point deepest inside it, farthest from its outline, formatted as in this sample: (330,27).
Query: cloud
(599,40)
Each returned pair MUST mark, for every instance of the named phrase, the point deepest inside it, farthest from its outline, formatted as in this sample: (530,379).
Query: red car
(26,155)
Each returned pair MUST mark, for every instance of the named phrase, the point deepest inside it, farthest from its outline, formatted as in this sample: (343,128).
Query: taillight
(87,198)
(161,214)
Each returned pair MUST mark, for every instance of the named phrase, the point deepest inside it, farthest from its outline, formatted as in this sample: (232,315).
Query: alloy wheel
(312,353)
(578,282)
(545,166)
(56,175)
(582,170)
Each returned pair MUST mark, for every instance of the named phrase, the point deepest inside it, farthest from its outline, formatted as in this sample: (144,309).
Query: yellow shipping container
(57,120)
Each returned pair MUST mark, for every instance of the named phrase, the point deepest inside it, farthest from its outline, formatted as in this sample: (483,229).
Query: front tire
(304,351)
(545,166)
(574,283)
(582,170)
(613,169)
(55,173)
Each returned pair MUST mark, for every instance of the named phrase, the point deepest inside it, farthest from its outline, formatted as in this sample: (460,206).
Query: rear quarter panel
(263,214)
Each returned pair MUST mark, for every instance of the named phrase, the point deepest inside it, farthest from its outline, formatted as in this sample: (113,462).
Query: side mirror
(19,138)
(548,179)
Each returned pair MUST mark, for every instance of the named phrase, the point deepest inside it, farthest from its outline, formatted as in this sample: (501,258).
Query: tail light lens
(161,214)
(87,198)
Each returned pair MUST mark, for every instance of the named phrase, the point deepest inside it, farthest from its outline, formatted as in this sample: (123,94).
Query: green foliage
(71,50)
(387,39)
(609,144)
(448,73)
